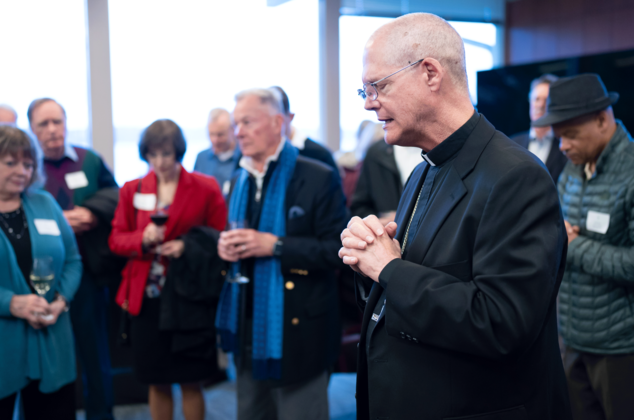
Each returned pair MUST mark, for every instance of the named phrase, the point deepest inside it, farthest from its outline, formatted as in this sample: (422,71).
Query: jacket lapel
(452,189)
(408,200)
(292,191)
(179,205)
(449,194)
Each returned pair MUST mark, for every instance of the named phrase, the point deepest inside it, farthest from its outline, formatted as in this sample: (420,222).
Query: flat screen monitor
(503,92)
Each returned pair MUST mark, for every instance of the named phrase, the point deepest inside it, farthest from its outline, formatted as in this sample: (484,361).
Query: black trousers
(600,386)
(58,405)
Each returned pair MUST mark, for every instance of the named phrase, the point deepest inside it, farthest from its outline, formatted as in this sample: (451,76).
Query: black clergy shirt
(439,161)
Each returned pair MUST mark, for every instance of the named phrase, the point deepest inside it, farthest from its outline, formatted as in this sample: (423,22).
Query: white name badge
(76,180)
(597,222)
(226,187)
(46,227)
(145,202)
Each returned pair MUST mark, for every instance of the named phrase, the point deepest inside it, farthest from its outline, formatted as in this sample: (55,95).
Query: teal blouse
(47,354)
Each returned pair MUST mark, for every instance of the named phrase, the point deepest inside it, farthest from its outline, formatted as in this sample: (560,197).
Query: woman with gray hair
(40,271)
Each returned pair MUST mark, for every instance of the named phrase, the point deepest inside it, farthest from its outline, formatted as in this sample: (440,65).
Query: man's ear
(278,123)
(433,72)
(291,117)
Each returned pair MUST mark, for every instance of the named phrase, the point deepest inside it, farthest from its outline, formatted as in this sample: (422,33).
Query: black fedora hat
(572,97)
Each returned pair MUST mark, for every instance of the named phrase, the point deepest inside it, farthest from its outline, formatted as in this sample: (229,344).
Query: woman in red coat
(189,200)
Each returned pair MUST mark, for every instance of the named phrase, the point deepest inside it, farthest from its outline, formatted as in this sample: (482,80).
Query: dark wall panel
(538,30)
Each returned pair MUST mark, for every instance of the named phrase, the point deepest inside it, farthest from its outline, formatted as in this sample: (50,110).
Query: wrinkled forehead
(373,66)
(250,107)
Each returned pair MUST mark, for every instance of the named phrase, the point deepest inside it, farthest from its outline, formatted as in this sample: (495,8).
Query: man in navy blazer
(315,214)
(460,291)
(541,141)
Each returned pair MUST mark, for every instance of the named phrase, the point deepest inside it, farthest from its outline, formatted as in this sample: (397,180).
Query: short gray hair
(217,113)
(412,37)
(266,98)
(10,109)
(546,79)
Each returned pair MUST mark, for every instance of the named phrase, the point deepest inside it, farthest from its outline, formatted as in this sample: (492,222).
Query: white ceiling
(466,10)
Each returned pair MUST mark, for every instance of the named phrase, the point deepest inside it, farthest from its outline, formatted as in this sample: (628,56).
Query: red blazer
(197,202)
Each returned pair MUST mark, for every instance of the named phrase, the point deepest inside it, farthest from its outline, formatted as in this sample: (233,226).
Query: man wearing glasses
(459,292)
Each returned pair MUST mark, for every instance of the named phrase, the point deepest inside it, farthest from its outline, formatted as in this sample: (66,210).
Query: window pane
(485,33)
(44,50)
(180,62)
(354,31)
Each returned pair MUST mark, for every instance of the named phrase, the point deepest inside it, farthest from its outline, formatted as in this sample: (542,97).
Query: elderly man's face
(538,98)
(7,117)
(221,134)
(581,138)
(397,107)
(258,132)
(49,126)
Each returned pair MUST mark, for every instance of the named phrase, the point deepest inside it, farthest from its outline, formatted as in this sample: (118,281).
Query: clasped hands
(154,235)
(238,244)
(36,310)
(368,246)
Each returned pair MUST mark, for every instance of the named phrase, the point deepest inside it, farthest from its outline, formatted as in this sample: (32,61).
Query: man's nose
(564,145)
(238,131)
(370,104)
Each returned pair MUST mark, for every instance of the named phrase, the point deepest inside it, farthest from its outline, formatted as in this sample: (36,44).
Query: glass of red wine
(159,218)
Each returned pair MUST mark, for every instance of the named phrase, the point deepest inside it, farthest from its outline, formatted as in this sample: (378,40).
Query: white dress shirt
(407,158)
(540,147)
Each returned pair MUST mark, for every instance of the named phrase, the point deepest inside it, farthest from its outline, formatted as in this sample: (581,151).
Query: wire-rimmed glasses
(369,89)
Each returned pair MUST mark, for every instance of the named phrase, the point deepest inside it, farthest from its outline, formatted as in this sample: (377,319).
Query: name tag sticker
(46,227)
(145,202)
(226,187)
(76,180)
(597,222)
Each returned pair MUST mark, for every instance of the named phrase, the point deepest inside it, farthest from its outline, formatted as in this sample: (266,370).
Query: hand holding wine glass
(229,251)
(28,307)
(153,235)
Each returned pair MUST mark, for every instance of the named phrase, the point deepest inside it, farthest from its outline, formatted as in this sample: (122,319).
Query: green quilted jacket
(596,297)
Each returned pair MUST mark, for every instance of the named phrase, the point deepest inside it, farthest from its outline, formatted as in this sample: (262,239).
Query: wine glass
(159,218)
(234,275)
(42,276)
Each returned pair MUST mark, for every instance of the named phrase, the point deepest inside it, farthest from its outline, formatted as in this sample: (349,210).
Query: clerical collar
(452,144)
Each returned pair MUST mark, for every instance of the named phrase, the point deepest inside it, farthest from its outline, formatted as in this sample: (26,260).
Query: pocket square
(295,212)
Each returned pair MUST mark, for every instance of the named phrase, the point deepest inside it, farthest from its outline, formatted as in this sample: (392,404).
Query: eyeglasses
(369,89)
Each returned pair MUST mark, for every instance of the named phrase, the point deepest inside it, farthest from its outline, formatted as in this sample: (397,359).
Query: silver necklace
(9,228)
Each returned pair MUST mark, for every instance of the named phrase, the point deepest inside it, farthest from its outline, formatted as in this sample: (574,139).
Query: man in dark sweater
(81,183)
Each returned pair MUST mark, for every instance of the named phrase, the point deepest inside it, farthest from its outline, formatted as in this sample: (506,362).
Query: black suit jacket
(379,187)
(316,214)
(556,159)
(469,330)
(314,150)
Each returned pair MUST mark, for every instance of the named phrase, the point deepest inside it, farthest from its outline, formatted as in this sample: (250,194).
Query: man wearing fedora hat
(596,297)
